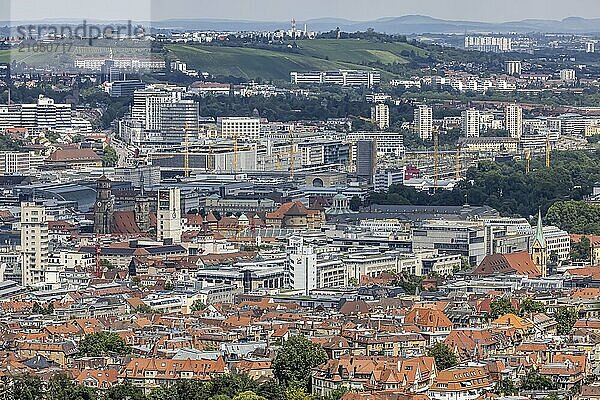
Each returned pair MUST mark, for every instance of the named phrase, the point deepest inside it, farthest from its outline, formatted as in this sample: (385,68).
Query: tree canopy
(566,318)
(501,306)
(443,355)
(102,344)
(295,360)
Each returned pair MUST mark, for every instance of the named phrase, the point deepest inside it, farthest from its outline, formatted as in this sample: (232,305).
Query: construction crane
(527,161)
(186,156)
(548,151)
(292,153)
(435,158)
(458,163)
(98,269)
(210,162)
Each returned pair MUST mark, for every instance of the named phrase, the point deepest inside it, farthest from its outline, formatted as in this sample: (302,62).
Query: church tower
(539,250)
(103,209)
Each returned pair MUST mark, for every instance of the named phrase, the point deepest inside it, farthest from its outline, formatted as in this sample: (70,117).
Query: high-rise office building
(168,215)
(514,120)
(366,160)
(423,122)
(34,243)
(380,115)
(163,109)
(470,123)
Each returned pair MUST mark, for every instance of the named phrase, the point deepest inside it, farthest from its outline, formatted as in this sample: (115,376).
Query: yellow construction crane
(458,163)
(527,161)
(435,158)
(186,156)
(548,151)
(235,152)
(292,153)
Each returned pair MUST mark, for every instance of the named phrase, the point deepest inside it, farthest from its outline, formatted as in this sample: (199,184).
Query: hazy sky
(284,10)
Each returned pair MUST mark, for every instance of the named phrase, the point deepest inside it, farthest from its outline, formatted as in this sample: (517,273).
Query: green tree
(443,355)
(61,387)
(198,305)
(110,157)
(534,381)
(102,344)
(566,318)
(124,391)
(409,283)
(272,390)
(296,359)
(231,385)
(529,306)
(355,203)
(182,389)
(248,395)
(577,217)
(295,393)
(501,306)
(505,387)
(26,387)
(581,250)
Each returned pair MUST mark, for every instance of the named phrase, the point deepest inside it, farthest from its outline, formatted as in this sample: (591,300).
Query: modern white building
(240,128)
(342,77)
(514,120)
(568,75)
(471,123)
(168,215)
(19,162)
(423,121)
(513,67)
(34,243)
(494,44)
(380,115)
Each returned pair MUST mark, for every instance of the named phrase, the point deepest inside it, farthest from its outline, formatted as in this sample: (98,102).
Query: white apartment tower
(302,265)
(380,115)
(513,67)
(168,215)
(423,122)
(514,120)
(34,243)
(470,122)
(568,75)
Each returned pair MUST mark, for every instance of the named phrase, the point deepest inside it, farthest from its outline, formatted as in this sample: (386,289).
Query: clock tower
(104,207)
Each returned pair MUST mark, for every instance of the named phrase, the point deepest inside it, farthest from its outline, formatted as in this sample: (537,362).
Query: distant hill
(310,55)
(408,24)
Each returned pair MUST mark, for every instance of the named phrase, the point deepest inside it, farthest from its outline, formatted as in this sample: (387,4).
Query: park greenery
(507,188)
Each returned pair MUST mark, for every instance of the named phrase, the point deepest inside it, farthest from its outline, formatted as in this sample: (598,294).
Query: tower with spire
(539,249)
